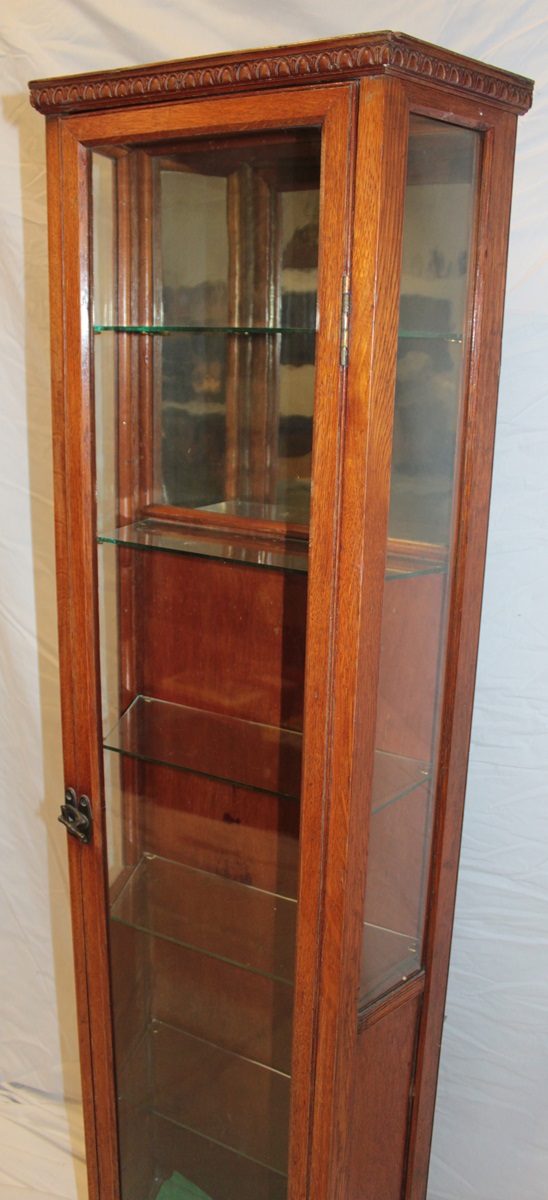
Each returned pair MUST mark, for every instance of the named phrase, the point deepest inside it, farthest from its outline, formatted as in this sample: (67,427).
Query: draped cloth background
(491,1132)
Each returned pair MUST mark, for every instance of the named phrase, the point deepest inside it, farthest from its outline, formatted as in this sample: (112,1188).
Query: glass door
(206,319)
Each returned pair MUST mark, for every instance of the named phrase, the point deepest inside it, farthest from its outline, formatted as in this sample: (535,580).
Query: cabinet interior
(205,323)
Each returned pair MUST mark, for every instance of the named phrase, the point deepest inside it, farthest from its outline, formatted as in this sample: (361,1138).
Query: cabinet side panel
(464,619)
(385,1053)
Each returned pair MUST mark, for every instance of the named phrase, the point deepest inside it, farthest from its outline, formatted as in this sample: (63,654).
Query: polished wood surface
(225,641)
(221,522)
(69,246)
(66,621)
(215,826)
(338,59)
(361,1102)
(382,1082)
(329,409)
(380,172)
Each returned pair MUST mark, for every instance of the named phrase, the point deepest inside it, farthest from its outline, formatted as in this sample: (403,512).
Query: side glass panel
(436,280)
(205,265)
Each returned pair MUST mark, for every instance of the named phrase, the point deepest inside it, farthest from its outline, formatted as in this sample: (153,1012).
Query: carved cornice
(317,62)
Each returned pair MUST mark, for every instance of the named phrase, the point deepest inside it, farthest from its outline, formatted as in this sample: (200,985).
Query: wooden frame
(365,89)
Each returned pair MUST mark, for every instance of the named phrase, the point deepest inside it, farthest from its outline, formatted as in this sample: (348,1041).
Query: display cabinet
(276,298)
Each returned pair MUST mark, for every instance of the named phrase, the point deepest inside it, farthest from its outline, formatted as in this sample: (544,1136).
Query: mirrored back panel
(214,262)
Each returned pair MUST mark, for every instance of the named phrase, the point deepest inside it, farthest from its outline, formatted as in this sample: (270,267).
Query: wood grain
(380,176)
(214,826)
(225,641)
(79,668)
(66,620)
(329,401)
(383,1073)
(338,60)
(232,638)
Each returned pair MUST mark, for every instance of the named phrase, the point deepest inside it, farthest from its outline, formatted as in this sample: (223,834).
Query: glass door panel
(205,297)
(437,275)
(227,313)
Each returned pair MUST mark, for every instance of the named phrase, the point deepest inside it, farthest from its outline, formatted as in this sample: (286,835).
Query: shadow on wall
(55,924)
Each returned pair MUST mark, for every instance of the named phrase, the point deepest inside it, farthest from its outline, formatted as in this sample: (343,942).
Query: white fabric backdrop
(491,1133)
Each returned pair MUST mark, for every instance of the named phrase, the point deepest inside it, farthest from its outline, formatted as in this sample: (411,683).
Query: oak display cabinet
(276,297)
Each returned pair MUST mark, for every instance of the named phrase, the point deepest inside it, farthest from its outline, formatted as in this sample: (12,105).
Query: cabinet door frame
(381,148)
(69,200)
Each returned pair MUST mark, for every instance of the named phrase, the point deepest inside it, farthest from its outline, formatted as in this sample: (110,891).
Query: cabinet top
(333,61)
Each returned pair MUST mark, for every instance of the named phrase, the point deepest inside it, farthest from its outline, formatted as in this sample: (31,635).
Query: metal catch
(76,816)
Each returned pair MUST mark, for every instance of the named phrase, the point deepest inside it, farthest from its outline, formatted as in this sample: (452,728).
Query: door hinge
(345,320)
(76,815)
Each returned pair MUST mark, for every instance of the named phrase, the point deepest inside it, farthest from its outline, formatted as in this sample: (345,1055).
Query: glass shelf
(232,1101)
(244,330)
(183,1153)
(426,335)
(264,758)
(245,753)
(148,534)
(288,555)
(395,776)
(388,958)
(258,330)
(406,566)
(228,921)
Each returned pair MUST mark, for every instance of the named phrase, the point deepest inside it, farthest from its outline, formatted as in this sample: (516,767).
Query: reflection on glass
(244,752)
(225,301)
(289,555)
(435,288)
(434,294)
(236,270)
(105,296)
(194,244)
(202,966)
(221,918)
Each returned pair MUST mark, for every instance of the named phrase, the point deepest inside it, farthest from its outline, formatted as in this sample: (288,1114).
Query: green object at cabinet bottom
(179,1188)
